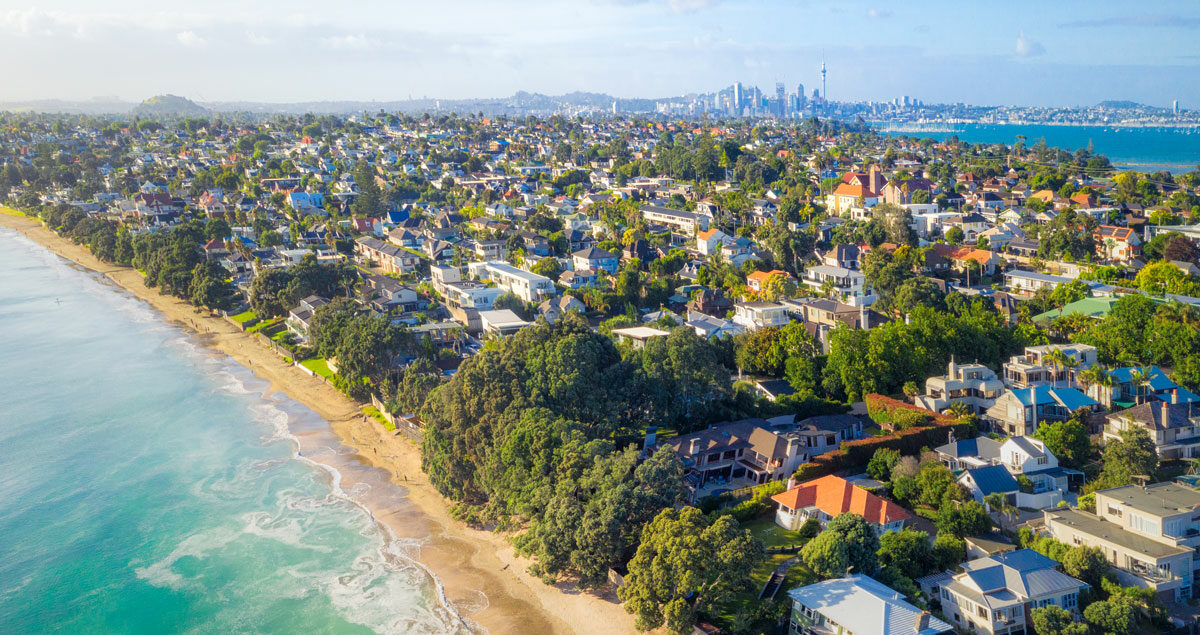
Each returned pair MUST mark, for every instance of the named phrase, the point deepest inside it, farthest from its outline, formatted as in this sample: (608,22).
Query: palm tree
(999,504)
(1054,358)
(1139,378)
(1069,363)
(1095,376)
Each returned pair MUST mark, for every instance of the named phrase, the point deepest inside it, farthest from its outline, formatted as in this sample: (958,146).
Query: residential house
(1121,244)
(596,259)
(1174,427)
(831,496)
(1019,411)
(858,604)
(501,322)
(708,326)
(1036,367)
(974,385)
(826,433)
(709,241)
(997,594)
(756,315)
(969,453)
(847,284)
(637,336)
(1030,282)
(856,190)
(389,258)
(747,450)
(1132,385)
(711,302)
(756,280)
(1149,533)
(554,308)
(299,319)
(982,482)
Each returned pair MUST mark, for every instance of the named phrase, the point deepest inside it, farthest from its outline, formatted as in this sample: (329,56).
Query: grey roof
(862,605)
(1161,499)
(1028,446)
(1091,525)
(1012,578)
(981,447)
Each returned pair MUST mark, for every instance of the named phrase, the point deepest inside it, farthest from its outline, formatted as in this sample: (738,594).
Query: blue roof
(994,478)
(1070,398)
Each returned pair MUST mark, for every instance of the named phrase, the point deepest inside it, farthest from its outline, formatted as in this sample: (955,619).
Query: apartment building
(530,287)
(686,223)
(997,594)
(1150,534)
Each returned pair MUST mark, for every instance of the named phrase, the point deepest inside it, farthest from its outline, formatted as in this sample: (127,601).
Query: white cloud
(1027,47)
(878,13)
(189,38)
(352,42)
(689,6)
(259,39)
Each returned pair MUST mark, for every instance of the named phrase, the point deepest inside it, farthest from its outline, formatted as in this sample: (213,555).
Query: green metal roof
(1091,307)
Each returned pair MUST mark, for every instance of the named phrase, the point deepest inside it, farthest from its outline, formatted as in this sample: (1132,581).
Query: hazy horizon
(1026,53)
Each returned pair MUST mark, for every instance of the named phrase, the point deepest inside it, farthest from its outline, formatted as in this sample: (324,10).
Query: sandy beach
(467,561)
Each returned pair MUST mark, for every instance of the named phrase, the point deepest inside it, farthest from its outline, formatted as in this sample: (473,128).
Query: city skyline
(1067,54)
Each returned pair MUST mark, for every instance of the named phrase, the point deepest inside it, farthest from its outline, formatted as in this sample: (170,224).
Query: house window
(1070,601)
(945,594)
(982,611)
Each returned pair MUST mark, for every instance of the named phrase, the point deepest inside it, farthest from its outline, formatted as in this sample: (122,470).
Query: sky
(1051,53)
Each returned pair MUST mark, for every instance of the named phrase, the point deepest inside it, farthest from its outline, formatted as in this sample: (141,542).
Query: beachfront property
(738,453)
(299,319)
(828,497)
(858,604)
(997,594)
(1149,533)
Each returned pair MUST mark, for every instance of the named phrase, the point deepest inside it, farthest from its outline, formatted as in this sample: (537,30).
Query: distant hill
(1120,104)
(169,105)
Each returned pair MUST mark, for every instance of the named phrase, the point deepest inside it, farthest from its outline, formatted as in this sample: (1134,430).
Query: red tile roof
(835,496)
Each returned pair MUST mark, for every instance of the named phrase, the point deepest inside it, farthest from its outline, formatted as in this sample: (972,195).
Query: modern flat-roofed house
(1030,282)
(997,594)
(1033,368)
(858,604)
(1174,427)
(1150,535)
(530,287)
(686,223)
(830,496)
(1018,412)
(974,385)
(637,336)
(501,322)
(756,315)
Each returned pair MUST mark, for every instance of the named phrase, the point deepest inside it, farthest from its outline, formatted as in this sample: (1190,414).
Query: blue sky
(1040,53)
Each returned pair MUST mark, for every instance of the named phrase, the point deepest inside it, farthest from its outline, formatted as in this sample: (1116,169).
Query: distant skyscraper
(737,96)
(824,93)
(1175,106)
(780,99)
(800,94)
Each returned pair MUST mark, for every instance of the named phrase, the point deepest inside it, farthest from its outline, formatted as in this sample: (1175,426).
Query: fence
(403,425)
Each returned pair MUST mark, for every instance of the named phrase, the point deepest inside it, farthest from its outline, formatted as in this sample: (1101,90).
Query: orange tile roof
(835,496)
(705,235)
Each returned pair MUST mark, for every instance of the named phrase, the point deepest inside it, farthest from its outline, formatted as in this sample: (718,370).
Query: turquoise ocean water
(1147,149)
(148,485)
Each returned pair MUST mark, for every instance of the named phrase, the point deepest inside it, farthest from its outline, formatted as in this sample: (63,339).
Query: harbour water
(149,485)
(1148,148)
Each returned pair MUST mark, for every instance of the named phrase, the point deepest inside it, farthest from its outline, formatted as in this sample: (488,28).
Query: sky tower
(824,93)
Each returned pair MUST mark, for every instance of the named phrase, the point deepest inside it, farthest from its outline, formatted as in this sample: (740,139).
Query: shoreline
(466,563)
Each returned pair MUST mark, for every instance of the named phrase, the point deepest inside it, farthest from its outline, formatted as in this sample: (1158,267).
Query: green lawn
(318,366)
(243,317)
(8,211)
(264,325)
(374,413)
(773,535)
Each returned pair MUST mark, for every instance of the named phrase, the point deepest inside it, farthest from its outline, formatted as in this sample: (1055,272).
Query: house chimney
(875,179)
(791,483)
(1174,395)
(1166,414)
(694,448)
(651,436)
(922,621)
(862,317)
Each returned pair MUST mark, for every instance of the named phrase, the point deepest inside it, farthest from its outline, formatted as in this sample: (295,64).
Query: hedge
(858,453)
(893,413)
